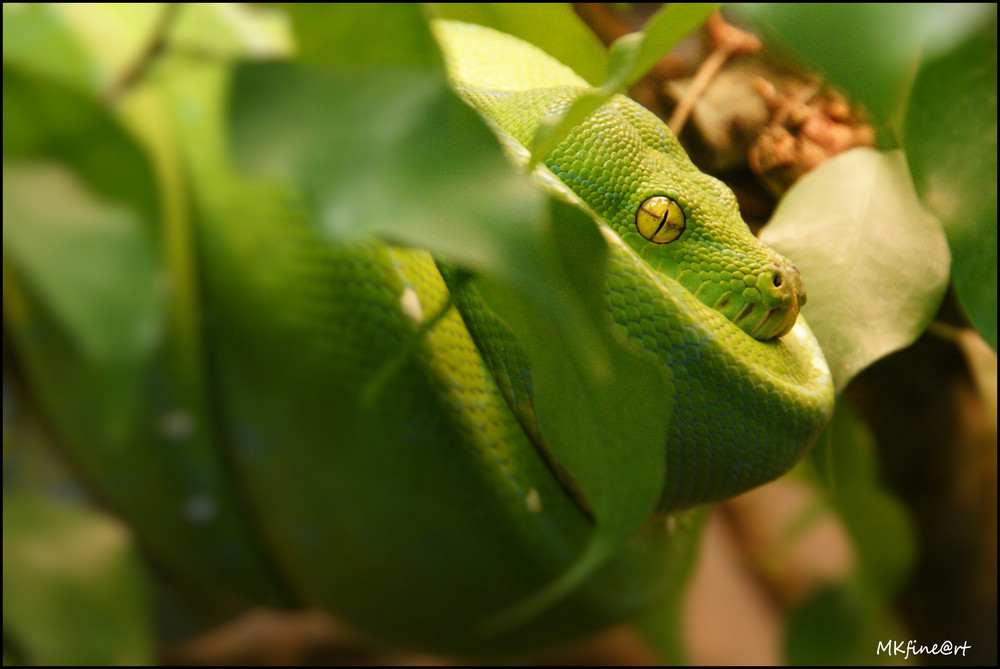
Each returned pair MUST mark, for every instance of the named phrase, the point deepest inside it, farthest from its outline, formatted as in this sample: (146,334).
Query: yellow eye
(660,219)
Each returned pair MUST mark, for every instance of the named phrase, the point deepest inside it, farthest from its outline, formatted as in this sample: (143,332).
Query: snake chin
(769,324)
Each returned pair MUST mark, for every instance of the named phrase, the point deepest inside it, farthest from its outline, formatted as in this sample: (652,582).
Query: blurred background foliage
(888,531)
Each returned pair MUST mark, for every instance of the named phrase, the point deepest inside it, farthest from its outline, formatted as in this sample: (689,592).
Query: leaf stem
(140,65)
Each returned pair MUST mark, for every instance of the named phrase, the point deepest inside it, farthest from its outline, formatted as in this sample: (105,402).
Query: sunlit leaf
(114,36)
(875,263)
(35,39)
(951,147)
(552,26)
(229,29)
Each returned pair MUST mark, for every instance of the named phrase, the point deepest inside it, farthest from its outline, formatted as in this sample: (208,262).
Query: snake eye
(660,219)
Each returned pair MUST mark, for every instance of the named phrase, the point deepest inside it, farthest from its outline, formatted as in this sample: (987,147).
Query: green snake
(419,519)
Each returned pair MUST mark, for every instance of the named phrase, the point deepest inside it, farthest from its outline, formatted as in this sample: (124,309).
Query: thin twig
(141,64)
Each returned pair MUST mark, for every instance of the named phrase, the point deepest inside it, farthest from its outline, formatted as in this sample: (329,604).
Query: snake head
(718,261)
(683,223)
(629,169)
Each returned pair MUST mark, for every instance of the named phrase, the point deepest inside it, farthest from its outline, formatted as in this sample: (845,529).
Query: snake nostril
(777,279)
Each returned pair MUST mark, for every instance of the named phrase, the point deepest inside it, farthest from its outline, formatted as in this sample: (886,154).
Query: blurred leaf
(79,234)
(552,26)
(875,262)
(35,39)
(837,625)
(614,449)
(869,50)
(878,524)
(389,152)
(951,147)
(352,35)
(45,119)
(87,260)
(229,29)
(820,458)
(92,256)
(114,36)
(29,461)
(73,589)
(661,626)
(843,623)
(629,58)
(825,629)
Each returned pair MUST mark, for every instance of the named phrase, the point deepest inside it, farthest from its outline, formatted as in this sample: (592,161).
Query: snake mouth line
(765,324)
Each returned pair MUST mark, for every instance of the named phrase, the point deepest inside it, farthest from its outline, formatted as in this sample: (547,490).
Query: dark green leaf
(837,625)
(951,147)
(662,625)
(352,35)
(878,524)
(867,49)
(875,263)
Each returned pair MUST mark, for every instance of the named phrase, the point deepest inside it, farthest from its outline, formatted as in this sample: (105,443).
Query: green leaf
(79,233)
(869,50)
(843,623)
(73,588)
(35,39)
(951,147)
(114,36)
(552,26)
(837,625)
(662,625)
(229,29)
(875,263)
(358,34)
(629,58)
(878,524)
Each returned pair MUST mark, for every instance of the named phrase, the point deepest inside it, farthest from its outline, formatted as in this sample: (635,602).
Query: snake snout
(783,294)
(771,305)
